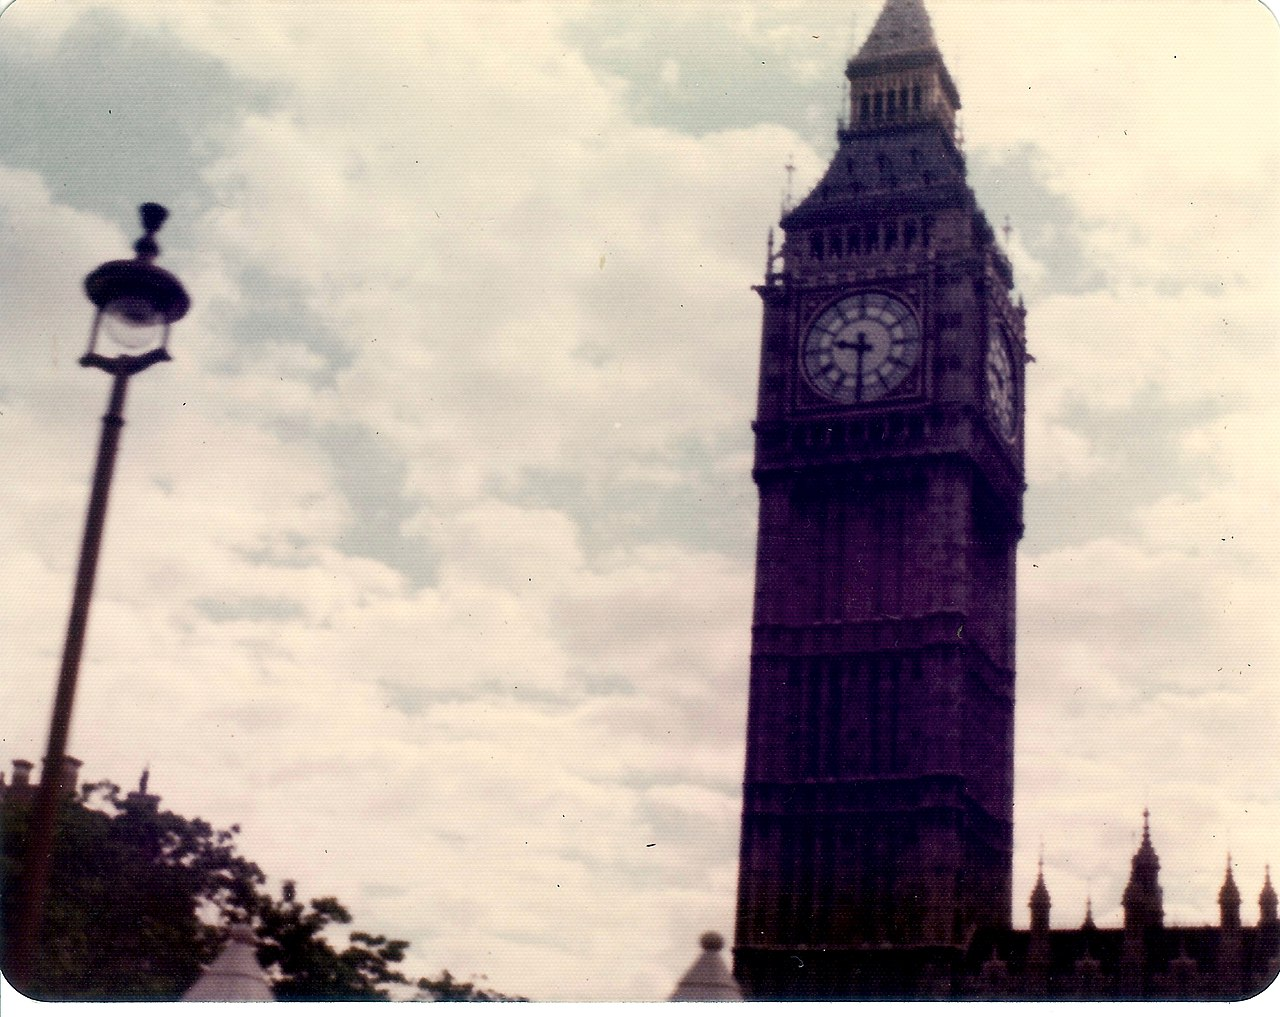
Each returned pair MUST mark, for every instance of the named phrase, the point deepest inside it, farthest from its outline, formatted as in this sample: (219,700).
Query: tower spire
(1143,899)
(1267,901)
(902,27)
(1040,901)
(1229,901)
(898,76)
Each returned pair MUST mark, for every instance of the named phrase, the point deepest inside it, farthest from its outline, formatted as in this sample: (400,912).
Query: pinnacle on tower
(1229,901)
(1143,899)
(1267,902)
(902,27)
(1089,924)
(1040,902)
(1038,951)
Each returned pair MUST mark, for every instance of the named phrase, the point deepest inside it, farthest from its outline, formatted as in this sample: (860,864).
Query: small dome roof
(709,979)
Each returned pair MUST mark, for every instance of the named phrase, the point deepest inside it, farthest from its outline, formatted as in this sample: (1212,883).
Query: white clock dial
(861,348)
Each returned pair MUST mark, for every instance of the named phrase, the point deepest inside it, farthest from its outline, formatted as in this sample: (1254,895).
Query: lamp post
(136,303)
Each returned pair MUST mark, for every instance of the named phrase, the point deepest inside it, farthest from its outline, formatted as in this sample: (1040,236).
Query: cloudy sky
(429,557)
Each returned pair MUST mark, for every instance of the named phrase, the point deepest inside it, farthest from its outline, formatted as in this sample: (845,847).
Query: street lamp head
(137,301)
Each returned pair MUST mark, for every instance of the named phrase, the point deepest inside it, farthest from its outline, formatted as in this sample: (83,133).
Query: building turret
(1039,903)
(1230,966)
(1267,903)
(1143,913)
(1038,953)
(1143,899)
(1229,901)
(1266,949)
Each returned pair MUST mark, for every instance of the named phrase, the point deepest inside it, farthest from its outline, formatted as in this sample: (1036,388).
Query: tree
(128,888)
(445,990)
(140,898)
(309,967)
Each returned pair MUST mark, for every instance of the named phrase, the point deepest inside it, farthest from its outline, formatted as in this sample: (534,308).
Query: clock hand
(860,348)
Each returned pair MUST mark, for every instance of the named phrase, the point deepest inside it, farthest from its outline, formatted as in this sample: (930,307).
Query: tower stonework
(877,814)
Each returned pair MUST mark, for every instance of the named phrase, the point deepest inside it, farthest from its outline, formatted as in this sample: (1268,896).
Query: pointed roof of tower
(1267,900)
(1040,892)
(1143,898)
(903,27)
(1229,900)
(1229,892)
(1088,925)
(1146,858)
(902,39)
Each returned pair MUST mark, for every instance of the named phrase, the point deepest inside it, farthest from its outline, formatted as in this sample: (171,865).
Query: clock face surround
(861,347)
(1000,394)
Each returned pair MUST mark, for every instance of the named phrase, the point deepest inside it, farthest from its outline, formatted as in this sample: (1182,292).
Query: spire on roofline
(1143,899)
(1229,901)
(1267,902)
(1040,901)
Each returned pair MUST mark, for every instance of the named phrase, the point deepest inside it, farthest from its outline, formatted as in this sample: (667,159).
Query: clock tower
(878,794)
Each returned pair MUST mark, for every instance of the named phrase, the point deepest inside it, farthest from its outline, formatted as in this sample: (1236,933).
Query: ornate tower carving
(889,447)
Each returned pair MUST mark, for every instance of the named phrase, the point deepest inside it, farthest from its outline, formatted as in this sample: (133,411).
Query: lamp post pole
(136,303)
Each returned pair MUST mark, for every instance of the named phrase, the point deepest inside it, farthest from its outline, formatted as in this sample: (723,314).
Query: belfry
(877,815)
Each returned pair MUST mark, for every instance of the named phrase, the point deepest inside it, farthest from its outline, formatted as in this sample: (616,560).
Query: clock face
(1000,394)
(861,348)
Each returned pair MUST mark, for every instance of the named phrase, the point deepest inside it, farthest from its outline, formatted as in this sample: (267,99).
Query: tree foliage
(140,899)
(129,886)
(444,989)
(309,967)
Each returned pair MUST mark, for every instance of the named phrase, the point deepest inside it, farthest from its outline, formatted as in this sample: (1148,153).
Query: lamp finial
(153,217)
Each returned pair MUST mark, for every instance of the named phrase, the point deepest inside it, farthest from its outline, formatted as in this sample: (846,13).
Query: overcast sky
(429,557)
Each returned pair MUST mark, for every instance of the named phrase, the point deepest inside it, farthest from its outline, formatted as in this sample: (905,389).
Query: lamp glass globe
(133,323)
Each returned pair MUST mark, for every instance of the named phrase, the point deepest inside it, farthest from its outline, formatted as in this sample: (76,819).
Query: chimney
(140,797)
(68,779)
(21,773)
